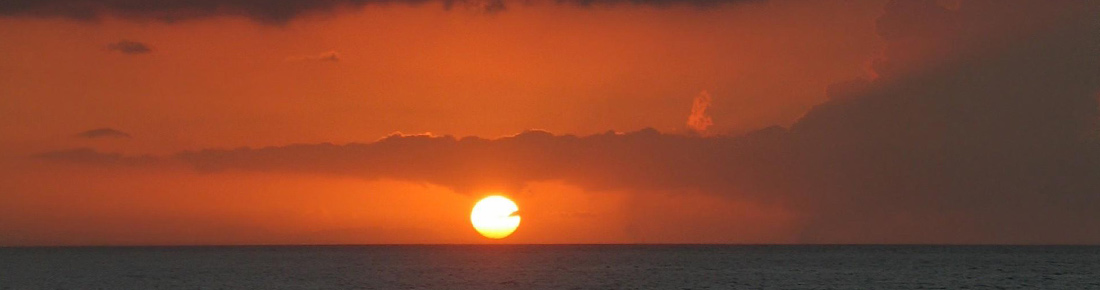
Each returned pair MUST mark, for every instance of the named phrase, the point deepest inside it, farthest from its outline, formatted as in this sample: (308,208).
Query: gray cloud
(130,47)
(978,128)
(268,12)
(103,133)
(975,128)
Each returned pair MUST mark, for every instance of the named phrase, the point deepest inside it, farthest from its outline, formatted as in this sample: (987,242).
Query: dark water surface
(553,267)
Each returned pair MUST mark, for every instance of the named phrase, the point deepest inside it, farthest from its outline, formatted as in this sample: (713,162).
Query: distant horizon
(508,244)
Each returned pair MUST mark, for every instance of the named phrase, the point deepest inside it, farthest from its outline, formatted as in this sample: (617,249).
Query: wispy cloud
(130,47)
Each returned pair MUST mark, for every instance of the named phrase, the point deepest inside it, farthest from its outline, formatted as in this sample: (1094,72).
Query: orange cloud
(699,120)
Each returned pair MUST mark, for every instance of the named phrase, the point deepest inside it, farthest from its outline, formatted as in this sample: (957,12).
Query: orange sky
(228,82)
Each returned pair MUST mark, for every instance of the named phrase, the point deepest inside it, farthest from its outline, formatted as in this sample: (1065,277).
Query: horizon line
(554,244)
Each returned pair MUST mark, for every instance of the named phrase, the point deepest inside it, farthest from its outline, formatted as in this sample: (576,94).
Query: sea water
(552,267)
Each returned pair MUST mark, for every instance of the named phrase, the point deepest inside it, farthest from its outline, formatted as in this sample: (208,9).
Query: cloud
(699,120)
(657,3)
(130,47)
(103,133)
(276,12)
(975,129)
(644,159)
(328,56)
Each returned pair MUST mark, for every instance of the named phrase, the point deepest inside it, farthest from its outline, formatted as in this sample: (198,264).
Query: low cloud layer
(268,12)
(979,126)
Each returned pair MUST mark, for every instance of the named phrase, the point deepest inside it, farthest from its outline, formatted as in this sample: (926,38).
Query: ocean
(552,267)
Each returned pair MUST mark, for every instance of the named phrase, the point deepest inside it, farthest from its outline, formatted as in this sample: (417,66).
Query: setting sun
(495,217)
(653,144)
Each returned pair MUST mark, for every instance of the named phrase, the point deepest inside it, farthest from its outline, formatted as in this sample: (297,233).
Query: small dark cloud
(328,56)
(493,6)
(656,3)
(103,133)
(487,6)
(130,47)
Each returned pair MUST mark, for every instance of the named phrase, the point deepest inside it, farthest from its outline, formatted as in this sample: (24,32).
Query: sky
(200,122)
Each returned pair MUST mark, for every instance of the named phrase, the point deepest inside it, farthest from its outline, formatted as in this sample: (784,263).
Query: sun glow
(495,217)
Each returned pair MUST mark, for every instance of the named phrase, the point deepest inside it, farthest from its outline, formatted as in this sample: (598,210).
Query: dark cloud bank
(980,127)
(269,11)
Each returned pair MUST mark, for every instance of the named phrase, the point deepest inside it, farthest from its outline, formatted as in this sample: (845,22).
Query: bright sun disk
(495,217)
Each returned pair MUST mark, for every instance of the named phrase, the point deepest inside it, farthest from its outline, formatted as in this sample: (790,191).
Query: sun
(495,217)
